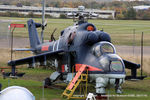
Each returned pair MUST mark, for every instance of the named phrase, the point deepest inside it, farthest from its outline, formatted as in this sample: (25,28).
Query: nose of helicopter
(114,74)
(113,68)
(103,82)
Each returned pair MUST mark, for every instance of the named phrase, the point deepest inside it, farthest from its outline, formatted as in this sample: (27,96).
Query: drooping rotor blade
(43,20)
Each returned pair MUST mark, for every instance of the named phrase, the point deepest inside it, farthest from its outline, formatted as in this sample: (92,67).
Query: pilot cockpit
(107,57)
(103,48)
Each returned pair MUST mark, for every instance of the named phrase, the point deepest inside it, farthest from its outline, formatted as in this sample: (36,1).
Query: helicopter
(80,44)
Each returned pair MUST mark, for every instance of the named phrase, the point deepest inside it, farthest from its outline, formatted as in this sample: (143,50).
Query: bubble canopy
(103,48)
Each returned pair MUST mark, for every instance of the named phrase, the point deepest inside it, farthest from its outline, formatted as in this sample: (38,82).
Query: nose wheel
(119,90)
(118,87)
(100,86)
(102,83)
(47,82)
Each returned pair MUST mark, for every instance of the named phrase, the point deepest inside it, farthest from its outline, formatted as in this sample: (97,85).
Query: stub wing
(133,67)
(38,58)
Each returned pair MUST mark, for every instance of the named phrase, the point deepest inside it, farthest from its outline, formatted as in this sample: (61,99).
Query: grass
(121,31)
(35,87)
(138,89)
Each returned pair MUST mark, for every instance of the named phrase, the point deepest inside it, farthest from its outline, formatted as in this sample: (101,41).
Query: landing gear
(118,90)
(53,77)
(100,86)
(47,82)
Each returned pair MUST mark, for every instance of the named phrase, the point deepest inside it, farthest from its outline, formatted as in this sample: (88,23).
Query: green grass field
(132,90)
(33,80)
(121,31)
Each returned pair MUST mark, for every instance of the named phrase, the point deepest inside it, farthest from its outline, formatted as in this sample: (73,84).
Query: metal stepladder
(80,78)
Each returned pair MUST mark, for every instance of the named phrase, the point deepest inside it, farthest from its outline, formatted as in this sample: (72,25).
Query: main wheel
(47,82)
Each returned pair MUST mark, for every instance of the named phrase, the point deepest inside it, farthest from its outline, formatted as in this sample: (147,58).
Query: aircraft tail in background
(33,34)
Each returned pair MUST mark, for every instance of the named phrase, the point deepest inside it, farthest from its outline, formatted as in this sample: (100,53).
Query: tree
(146,16)
(30,14)
(55,4)
(130,14)
(120,16)
(63,16)
(143,14)
(19,5)
(6,3)
(26,3)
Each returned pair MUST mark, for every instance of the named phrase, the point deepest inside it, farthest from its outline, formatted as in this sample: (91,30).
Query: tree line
(132,14)
(124,10)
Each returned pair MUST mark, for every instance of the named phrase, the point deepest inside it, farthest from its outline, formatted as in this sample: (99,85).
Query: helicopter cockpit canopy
(103,48)
(108,59)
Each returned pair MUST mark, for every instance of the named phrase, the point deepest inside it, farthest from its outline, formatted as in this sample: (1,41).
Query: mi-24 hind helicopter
(80,44)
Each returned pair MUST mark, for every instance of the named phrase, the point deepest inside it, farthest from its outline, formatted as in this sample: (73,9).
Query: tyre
(47,82)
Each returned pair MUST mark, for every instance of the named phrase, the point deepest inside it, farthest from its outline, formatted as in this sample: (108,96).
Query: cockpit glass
(103,48)
(107,48)
(97,51)
(116,66)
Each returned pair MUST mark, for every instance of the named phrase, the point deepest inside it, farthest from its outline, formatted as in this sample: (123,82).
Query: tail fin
(33,34)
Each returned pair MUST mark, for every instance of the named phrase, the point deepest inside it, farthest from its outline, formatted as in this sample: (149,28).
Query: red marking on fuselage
(17,25)
(63,68)
(90,68)
(45,48)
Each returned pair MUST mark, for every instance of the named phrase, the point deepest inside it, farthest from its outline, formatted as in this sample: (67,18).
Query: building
(55,11)
(141,7)
(130,0)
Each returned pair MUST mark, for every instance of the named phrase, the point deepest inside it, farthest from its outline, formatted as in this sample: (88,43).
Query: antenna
(43,20)
(11,55)
(133,42)
(12,67)
(14,26)
(142,54)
